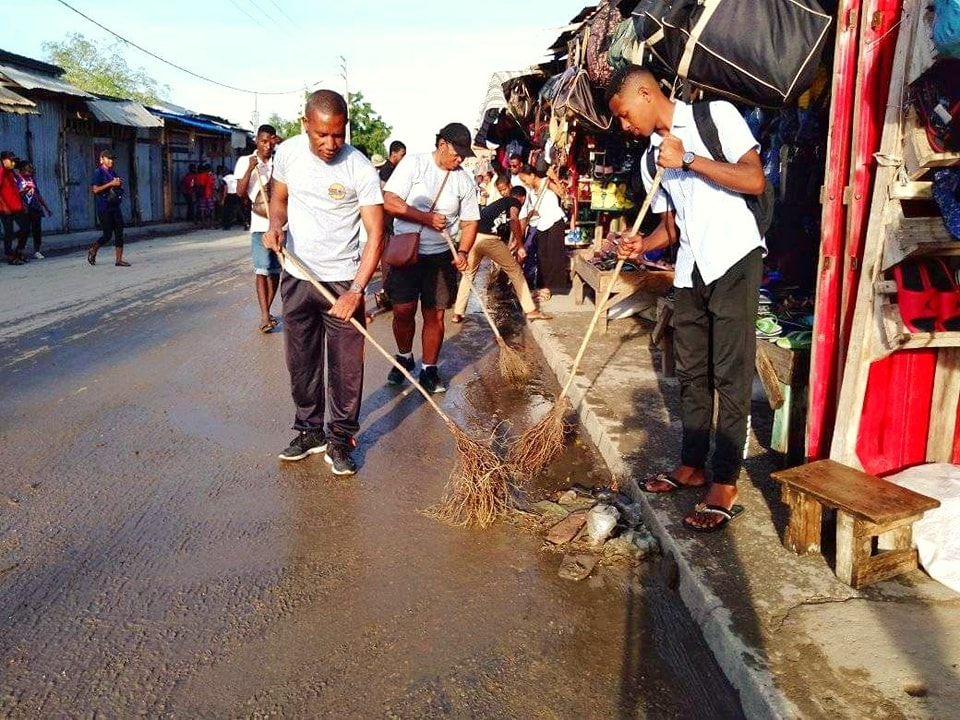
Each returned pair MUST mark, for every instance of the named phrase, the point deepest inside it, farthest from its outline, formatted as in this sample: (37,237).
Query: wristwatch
(687,160)
(357,288)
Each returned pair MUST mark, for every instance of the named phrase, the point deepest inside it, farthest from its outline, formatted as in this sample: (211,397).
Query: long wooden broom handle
(608,291)
(483,306)
(288,256)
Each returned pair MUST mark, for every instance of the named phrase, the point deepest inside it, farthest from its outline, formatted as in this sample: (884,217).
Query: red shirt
(10,192)
(204,183)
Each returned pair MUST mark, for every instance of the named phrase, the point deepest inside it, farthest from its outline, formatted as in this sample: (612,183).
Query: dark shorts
(432,280)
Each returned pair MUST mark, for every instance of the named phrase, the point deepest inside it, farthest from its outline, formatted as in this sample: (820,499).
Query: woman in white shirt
(548,219)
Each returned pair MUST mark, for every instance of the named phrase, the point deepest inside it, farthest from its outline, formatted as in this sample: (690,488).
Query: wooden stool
(867,508)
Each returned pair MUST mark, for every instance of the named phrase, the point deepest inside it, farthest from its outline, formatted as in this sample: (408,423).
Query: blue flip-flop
(728,514)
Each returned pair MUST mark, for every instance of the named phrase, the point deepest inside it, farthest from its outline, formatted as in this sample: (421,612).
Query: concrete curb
(749,674)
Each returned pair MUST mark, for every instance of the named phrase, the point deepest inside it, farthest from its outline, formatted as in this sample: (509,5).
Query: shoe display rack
(898,232)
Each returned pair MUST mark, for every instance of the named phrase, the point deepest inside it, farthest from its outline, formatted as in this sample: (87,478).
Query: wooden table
(629,283)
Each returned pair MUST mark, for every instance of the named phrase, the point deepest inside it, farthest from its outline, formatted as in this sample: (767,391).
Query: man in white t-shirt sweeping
(325,189)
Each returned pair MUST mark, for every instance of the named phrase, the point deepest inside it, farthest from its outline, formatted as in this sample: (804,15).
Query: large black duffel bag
(760,52)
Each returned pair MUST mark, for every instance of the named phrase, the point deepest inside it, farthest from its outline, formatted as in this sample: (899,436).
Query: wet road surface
(156,558)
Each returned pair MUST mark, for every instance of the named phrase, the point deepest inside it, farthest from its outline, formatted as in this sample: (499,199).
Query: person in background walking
(188,188)
(326,190)
(421,182)
(254,174)
(718,272)
(35,205)
(12,210)
(108,189)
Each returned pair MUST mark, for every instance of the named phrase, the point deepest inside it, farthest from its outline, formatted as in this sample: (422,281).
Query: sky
(419,64)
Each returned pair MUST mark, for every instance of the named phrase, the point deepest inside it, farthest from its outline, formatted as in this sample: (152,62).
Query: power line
(265,15)
(171,64)
(284,13)
(239,7)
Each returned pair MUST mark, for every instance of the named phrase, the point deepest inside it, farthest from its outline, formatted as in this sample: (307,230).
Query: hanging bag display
(599,37)
(707,43)
(576,96)
(403,249)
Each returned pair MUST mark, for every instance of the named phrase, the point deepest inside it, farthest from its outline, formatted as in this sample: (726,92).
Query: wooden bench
(874,519)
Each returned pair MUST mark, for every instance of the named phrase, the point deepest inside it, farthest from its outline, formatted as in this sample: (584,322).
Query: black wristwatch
(687,160)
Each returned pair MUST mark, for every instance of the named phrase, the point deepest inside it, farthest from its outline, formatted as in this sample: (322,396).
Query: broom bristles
(478,491)
(534,450)
(513,366)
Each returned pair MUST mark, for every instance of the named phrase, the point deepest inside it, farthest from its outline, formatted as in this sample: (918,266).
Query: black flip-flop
(669,480)
(91,258)
(728,514)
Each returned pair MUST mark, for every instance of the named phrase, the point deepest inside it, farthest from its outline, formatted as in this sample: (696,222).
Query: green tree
(103,70)
(368,131)
(284,128)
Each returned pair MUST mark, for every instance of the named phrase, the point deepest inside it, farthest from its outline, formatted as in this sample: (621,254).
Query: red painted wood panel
(896,412)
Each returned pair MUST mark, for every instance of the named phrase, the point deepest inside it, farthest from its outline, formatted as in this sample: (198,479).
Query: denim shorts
(265,262)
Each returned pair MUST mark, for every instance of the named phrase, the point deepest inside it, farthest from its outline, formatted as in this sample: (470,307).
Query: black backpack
(760,205)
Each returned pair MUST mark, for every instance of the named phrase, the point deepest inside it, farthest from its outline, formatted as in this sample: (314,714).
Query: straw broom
(478,490)
(535,448)
(514,368)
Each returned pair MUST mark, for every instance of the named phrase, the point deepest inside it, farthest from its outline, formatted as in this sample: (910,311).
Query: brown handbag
(403,249)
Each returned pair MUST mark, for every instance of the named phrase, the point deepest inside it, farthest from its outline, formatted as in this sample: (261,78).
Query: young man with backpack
(702,206)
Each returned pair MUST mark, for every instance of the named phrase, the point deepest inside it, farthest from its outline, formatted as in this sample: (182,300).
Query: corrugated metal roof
(36,81)
(13,103)
(123,112)
(193,122)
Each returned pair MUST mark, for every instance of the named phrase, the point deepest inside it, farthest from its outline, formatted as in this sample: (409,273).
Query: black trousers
(23,230)
(308,332)
(35,219)
(715,343)
(111,223)
(554,264)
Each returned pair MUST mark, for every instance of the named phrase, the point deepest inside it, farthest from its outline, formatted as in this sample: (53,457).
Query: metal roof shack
(123,112)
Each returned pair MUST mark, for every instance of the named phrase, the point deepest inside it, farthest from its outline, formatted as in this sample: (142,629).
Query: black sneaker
(395,377)
(339,460)
(308,442)
(430,380)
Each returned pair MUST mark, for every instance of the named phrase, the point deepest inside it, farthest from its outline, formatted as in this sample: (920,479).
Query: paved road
(156,558)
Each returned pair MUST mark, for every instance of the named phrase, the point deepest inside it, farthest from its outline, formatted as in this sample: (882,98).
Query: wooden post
(852,551)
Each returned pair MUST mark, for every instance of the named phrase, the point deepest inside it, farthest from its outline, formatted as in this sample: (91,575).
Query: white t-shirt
(416,180)
(717,229)
(258,223)
(323,206)
(527,206)
(230,180)
(549,212)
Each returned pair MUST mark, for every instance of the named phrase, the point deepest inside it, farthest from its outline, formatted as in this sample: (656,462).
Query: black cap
(457,135)
(6,154)
(107,154)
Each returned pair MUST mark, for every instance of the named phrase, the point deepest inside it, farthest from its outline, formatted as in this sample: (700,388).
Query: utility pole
(255,118)
(346,92)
